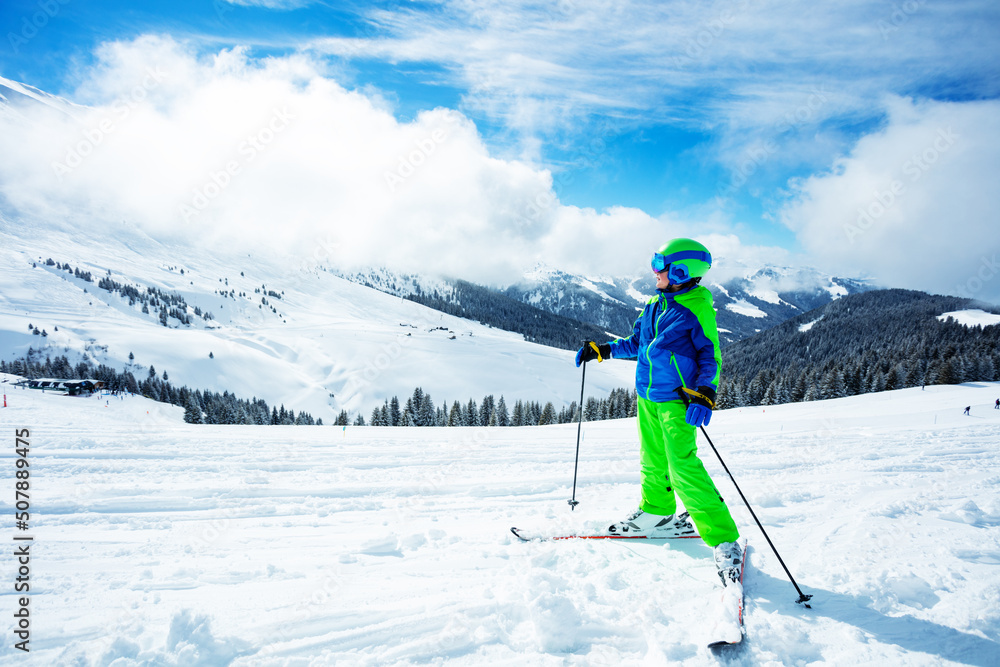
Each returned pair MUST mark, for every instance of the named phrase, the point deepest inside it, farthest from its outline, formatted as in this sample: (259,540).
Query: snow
(19,98)
(768,295)
(972,317)
(744,307)
(587,283)
(809,325)
(720,288)
(636,294)
(158,542)
(835,290)
(336,344)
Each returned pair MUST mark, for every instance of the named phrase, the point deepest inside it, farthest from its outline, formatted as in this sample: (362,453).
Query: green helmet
(683,259)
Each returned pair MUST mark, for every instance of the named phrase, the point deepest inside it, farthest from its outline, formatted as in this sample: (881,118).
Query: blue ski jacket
(676,343)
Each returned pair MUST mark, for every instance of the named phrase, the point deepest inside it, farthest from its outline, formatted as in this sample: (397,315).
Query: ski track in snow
(162,543)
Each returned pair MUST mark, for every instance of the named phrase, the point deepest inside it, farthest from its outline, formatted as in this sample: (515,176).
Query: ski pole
(803,598)
(573,502)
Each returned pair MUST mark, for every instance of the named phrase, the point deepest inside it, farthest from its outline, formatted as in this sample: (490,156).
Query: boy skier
(677,345)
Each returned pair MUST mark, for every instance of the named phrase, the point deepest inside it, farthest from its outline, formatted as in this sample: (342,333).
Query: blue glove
(591,351)
(700,405)
(698,415)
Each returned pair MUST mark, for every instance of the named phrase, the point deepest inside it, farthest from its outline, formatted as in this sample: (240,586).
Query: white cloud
(748,71)
(272,156)
(914,204)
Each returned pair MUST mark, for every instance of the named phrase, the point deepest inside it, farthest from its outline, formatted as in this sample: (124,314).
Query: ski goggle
(678,272)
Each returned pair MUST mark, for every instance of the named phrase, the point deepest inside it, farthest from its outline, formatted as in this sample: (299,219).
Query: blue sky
(643,165)
(732,118)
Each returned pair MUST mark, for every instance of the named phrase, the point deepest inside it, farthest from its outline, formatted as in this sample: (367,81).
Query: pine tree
(548,415)
(878,381)
(415,406)
(771,395)
(426,414)
(192,413)
(471,413)
(985,371)
(486,410)
(833,384)
(949,372)
(812,392)
(395,417)
(503,418)
(535,413)
(517,418)
(756,389)
(455,415)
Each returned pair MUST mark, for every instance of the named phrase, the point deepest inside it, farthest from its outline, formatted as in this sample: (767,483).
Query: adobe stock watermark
(30,26)
(383,360)
(121,109)
(899,16)
(759,154)
(701,41)
(986,271)
(324,251)
(247,152)
(222,8)
(408,164)
(587,156)
(914,169)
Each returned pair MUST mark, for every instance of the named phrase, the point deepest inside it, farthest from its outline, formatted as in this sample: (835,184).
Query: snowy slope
(331,345)
(972,317)
(20,100)
(162,543)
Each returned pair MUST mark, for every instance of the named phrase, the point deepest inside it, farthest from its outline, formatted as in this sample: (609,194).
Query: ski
(687,532)
(539,538)
(728,627)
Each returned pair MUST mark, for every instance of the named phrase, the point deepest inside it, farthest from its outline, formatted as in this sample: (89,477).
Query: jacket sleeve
(627,348)
(708,353)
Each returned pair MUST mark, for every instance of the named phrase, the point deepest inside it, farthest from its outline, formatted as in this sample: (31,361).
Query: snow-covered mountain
(757,299)
(257,327)
(20,100)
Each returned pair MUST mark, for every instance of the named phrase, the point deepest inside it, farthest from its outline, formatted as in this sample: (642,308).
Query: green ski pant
(670,465)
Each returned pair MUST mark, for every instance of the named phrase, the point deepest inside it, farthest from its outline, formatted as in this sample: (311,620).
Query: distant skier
(967,408)
(677,344)
(997,406)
